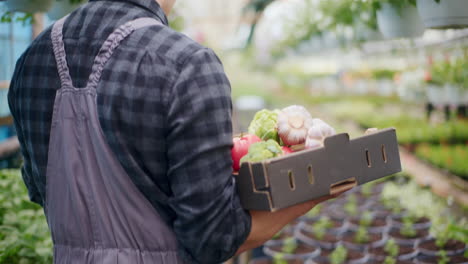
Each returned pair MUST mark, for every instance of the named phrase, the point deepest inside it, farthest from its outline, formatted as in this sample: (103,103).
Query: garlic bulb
(371,130)
(317,134)
(293,123)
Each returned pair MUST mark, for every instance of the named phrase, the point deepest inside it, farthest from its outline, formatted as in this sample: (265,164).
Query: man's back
(164,108)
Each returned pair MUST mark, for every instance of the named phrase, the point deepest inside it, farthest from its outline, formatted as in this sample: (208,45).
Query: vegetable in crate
(262,150)
(293,123)
(317,134)
(264,125)
(241,148)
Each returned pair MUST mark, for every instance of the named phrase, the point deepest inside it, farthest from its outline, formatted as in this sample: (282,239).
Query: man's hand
(266,224)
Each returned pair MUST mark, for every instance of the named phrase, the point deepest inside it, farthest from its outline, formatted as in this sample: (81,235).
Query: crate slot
(310,174)
(368,158)
(384,154)
(291,180)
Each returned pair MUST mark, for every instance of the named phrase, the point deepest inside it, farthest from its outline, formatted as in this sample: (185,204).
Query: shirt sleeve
(14,102)
(210,222)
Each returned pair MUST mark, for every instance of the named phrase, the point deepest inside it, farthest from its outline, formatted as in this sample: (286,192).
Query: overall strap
(59,53)
(112,43)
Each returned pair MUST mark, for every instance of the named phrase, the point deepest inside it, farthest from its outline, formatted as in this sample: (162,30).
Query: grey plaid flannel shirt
(165,108)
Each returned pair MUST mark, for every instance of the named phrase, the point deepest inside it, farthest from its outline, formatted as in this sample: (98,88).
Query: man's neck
(164,5)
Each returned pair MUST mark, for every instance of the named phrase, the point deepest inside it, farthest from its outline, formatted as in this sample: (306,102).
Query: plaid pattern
(165,108)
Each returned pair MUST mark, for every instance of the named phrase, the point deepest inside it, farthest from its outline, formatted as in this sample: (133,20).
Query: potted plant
(444,240)
(418,222)
(441,14)
(322,233)
(407,234)
(339,255)
(440,258)
(362,239)
(367,220)
(28,6)
(61,8)
(291,249)
(394,251)
(398,18)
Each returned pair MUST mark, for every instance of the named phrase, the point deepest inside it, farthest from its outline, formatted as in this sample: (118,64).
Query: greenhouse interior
(311,80)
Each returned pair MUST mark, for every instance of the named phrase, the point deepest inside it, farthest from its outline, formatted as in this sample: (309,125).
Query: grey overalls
(94,211)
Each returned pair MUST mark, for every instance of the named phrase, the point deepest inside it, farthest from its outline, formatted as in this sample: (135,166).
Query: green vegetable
(339,255)
(264,125)
(262,150)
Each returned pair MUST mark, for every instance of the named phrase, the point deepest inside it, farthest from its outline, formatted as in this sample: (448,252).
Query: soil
(269,261)
(419,220)
(379,251)
(335,223)
(349,237)
(434,260)
(450,245)
(419,234)
(353,255)
(398,262)
(327,238)
(301,249)
(377,222)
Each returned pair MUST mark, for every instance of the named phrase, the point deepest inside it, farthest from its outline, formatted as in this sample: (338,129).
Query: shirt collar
(149,5)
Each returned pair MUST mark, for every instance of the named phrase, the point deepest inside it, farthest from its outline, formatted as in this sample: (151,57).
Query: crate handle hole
(291,180)
(310,174)
(384,154)
(368,158)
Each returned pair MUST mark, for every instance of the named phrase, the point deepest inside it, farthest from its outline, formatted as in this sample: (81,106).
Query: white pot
(61,8)
(452,94)
(385,87)
(435,95)
(394,23)
(464,96)
(446,14)
(28,6)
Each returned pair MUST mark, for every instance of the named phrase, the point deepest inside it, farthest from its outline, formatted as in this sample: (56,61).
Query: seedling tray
(309,174)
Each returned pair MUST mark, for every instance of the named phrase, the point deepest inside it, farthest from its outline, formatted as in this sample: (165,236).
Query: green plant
(450,157)
(278,258)
(320,227)
(289,245)
(407,229)
(362,236)
(391,248)
(339,255)
(366,189)
(383,74)
(390,260)
(443,258)
(24,234)
(351,206)
(366,219)
(398,4)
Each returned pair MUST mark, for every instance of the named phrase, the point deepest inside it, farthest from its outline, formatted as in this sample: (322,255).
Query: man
(125,130)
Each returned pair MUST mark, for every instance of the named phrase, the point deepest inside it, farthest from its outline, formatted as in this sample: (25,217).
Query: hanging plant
(398,18)
(61,8)
(443,14)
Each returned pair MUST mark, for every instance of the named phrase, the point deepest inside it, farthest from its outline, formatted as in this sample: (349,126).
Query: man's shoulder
(171,44)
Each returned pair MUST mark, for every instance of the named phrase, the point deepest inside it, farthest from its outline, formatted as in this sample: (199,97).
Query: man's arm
(209,221)
(14,102)
(266,224)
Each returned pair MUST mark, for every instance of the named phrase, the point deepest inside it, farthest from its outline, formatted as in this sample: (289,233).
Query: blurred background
(355,64)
